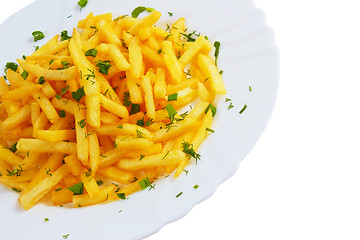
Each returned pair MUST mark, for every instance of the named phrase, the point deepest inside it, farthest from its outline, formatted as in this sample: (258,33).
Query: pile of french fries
(103,106)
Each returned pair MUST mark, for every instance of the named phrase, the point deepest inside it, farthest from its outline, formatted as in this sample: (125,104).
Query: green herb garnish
(188,149)
(171,111)
(41,80)
(217,49)
(78,94)
(126,100)
(64,35)
(173,97)
(145,183)
(82,3)
(210,130)
(24,75)
(104,66)
(38,35)
(137,11)
(77,189)
(243,109)
(121,196)
(82,123)
(13,66)
(16,190)
(91,53)
(63,91)
(213,109)
(65,64)
(62,113)
(135,108)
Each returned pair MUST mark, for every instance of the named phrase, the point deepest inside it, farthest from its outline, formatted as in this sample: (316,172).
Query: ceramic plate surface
(248,57)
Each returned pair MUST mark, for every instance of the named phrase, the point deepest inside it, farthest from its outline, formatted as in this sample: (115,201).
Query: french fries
(104,107)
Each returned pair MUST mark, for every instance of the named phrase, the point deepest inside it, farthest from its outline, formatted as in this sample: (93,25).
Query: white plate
(248,57)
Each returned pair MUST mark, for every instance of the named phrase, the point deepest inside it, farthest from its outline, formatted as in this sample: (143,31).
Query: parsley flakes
(188,149)
(217,50)
(82,3)
(104,66)
(11,65)
(77,189)
(38,35)
(91,53)
(78,94)
(137,11)
(64,35)
(243,109)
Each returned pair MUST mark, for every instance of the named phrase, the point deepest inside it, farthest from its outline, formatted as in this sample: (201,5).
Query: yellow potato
(171,157)
(46,106)
(81,135)
(17,118)
(147,21)
(41,146)
(28,199)
(54,75)
(207,65)
(171,62)
(148,96)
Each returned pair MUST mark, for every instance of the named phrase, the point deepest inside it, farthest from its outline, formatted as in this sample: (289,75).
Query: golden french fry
(54,75)
(46,106)
(160,84)
(21,92)
(81,135)
(48,90)
(135,58)
(152,56)
(114,107)
(134,89)
(36,145)
(147,21)
(94,152)
(116,174)
(125,129)
(118,58)
(17,118)
(171,157)
(3,86)
(56,135)
(31,197)
(174,130)
(46,48)
(176,30)
(61,196)
(93,110)
(207,65)
(8,156)
(90,184)
(148,96)
(16,186)
(191,52)
(86,200)
(74,164)
(107,31)
(171,62)
(84,66)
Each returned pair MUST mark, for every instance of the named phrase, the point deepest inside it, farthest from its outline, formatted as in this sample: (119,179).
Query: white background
(302,179)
